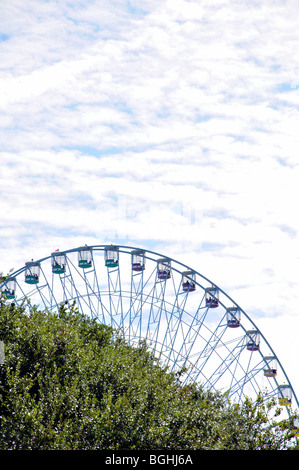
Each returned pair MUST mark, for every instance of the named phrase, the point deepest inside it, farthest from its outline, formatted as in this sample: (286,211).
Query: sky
(170,125)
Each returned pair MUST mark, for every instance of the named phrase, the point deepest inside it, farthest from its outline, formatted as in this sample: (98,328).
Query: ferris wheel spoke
(46,294)
(209,344)
(223,364)
(157,306)
(134,327)
(175,323)
(247,373)
(133,316)
(70,290)
(248,376)
(143,300)
(193,330)
(176,310)
(91,284)
(115,298)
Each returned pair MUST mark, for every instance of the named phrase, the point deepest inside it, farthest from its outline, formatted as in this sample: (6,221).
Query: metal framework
(186,319)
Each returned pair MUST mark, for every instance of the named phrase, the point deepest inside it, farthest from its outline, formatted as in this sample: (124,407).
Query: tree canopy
(71,383)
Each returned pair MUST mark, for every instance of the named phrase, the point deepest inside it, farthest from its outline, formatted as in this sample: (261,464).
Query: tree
(71,383)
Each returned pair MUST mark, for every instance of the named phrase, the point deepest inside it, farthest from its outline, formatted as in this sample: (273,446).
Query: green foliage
(68,383)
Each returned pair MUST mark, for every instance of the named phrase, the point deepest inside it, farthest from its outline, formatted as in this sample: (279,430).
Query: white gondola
(111,257)
(212,297)
(270,369)
(233,317)
(32,272)
(188,281)
(164,268)
(84,257)
(138,260)
(8,289)
(284,395)
(58,262)
(253,340)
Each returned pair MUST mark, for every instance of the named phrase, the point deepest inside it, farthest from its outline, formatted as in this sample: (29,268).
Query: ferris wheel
(189,322)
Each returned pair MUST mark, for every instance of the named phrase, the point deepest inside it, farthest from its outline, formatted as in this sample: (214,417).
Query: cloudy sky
(168,125)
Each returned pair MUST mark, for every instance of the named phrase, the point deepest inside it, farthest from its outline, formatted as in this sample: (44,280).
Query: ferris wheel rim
(127,249)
